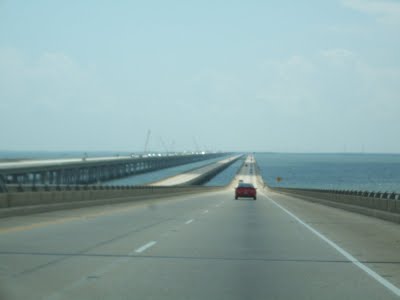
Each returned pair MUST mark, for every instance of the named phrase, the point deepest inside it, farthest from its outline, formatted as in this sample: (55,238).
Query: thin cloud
(387,12)
(337,53)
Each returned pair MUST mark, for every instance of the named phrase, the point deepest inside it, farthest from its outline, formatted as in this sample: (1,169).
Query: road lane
(38,250)
(387,284)
(373,241)
(242,249)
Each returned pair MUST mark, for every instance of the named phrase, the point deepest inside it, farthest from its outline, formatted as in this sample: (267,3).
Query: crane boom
(146,144)
(163,144)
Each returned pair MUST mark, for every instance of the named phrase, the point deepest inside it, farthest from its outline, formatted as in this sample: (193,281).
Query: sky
(280,76)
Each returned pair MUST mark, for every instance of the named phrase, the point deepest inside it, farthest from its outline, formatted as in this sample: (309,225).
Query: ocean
(362,172)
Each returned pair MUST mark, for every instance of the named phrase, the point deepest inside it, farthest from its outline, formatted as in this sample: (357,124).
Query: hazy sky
(297,76)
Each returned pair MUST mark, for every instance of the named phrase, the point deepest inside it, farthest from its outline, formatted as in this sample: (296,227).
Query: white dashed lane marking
(145,247)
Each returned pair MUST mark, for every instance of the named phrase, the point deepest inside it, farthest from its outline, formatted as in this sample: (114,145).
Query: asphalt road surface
(206,246)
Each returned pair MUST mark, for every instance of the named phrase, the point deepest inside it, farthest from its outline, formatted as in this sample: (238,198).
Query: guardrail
(382,205)
(366,194)
(16,188)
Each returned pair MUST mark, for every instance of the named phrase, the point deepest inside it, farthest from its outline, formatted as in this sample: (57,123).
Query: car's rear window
(248,185)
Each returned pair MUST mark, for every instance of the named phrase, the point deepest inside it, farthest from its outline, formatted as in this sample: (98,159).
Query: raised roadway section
(203,246)
(196,175)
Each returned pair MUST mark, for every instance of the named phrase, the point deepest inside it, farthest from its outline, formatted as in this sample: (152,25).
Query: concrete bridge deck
(195,175)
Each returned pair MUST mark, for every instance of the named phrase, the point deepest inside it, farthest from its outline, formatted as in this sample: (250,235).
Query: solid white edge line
(189,221)
(145,247)
(351,258)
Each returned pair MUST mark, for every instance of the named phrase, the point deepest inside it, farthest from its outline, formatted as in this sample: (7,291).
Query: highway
(206,246)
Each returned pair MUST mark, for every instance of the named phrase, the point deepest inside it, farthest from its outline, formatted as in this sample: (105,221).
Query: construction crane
(146,144)
(164,146)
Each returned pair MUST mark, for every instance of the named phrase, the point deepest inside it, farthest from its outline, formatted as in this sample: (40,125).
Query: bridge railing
(355,193)
(15,188)
(384,205)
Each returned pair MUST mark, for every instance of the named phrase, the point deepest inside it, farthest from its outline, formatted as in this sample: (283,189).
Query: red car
(246,190)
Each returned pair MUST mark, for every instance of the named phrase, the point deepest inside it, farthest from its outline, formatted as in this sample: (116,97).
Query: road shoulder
(374,242)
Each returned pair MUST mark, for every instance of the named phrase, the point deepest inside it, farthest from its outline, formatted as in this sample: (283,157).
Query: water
(366,172)
(226,176)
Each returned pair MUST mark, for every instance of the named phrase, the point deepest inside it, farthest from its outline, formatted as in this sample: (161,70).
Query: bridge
(203,245)
(89,170)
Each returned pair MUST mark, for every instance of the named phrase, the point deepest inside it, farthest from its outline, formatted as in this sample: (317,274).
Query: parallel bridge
(90,170)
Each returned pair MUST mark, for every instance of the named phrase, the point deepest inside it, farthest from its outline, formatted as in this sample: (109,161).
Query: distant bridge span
(90,170)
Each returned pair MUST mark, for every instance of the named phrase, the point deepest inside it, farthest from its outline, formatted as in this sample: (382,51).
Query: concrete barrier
(23,203)
(3,200)
(36,198)
(377,205)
